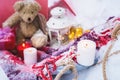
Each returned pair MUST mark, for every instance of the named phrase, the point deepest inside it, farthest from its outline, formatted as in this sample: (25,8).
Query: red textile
(7,39)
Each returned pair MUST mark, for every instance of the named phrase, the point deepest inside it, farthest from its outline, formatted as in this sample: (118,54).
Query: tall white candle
(30,56)
(86,50)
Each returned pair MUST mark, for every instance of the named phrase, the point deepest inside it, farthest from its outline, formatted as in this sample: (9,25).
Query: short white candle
(86,52)
(30,56)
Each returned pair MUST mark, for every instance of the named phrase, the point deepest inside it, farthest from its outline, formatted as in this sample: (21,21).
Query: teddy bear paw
(39,41)
(4,24)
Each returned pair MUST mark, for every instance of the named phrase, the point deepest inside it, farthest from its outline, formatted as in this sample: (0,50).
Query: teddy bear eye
(32,12)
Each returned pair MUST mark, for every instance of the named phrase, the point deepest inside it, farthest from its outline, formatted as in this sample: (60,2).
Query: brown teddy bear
(115,31)
(32,24)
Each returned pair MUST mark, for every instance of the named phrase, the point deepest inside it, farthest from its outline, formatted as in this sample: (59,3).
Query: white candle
(30,56)
(86,52)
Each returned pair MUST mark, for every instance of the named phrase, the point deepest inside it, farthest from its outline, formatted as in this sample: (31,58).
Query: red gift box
(7,39)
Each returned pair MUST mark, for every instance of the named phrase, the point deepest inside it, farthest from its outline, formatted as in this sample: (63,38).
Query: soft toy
(115,31)
(32,24)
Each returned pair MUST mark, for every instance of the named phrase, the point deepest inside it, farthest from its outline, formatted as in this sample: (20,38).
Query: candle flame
(23,44)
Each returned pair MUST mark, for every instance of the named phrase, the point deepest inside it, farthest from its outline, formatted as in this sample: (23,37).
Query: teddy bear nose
(29,19)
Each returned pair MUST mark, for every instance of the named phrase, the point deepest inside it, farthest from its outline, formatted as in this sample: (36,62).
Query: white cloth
(3,76)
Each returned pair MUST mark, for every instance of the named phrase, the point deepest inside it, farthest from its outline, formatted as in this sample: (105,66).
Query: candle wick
(30,50)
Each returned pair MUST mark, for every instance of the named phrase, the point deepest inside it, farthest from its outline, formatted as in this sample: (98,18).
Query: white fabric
(3,75)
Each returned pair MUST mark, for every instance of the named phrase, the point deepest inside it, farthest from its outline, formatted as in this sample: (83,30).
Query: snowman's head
(58,12)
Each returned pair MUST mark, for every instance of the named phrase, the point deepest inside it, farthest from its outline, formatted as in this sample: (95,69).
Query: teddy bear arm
(42,21)
(12,20)
(19,36)
(115,30)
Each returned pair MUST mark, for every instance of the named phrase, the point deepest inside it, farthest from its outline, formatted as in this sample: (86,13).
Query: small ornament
(72,29)
(78,32)
(75,32)
(86,31)
(79,29)
(71,36)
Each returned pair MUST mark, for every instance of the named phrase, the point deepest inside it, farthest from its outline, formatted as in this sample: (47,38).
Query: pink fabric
(6,9)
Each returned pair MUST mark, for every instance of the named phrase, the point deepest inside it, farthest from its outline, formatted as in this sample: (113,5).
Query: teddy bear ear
(18,5)
(37,6)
